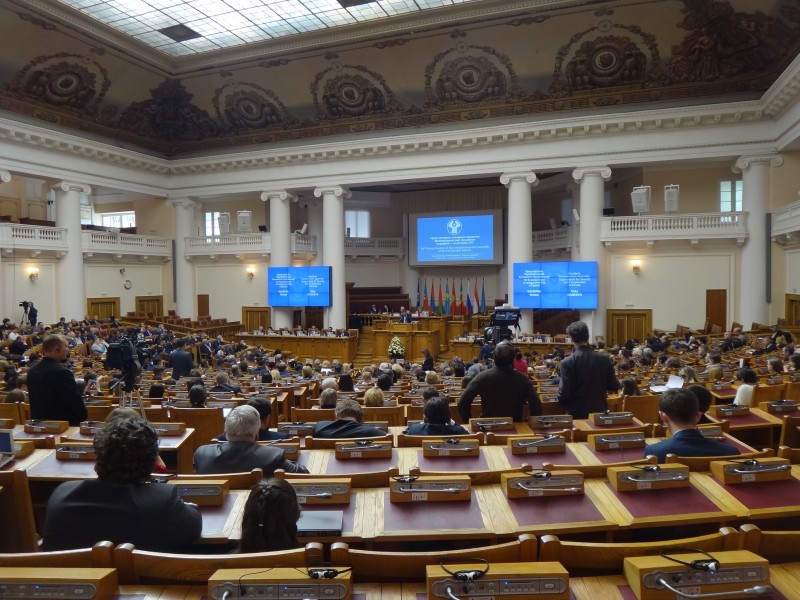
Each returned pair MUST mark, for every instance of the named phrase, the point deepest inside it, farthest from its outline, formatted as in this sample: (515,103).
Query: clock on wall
(127,285)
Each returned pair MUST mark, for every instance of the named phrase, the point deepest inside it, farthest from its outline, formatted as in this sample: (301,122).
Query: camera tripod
(132,399)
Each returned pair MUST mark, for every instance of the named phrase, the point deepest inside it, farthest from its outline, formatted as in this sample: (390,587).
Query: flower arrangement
(396,348)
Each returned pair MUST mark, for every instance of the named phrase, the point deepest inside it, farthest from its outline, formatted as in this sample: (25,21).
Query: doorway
(202,306)
(717,308)
(102,308)
(792,311)
(150,305)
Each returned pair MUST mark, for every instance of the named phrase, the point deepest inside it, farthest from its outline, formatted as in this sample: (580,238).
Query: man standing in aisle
(586,376)
(52,389)
(180,360)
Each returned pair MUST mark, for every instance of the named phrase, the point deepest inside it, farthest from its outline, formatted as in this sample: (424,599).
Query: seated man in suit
(242,452)
(679,410)
(224,385)
(437,420)
(348,423)
(120,505)
(264,408)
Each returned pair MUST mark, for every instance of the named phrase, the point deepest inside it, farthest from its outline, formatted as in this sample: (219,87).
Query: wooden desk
(468,350)
(306,346)
(758,429)
(40,439)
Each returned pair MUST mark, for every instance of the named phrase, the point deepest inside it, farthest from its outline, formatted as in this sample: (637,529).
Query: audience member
(748,381)
(52,390)
(120,505)
(630,387)
(348,423)
(180,360)
(328,398)
(704,401)
(437,420)
(373,397)
(197,396)
(269,521)
(264,408)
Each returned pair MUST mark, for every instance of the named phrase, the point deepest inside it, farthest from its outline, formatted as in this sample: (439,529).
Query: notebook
(6,447)
(673,382)
(320,523)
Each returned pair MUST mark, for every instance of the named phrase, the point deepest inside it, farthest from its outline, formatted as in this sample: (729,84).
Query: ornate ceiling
(477,62)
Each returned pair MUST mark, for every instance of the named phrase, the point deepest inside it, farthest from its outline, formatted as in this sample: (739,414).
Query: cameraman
(33,314)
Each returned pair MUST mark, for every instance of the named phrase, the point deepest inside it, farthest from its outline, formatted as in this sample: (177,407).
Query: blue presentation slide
(457,238)
(566,285)
(299,286)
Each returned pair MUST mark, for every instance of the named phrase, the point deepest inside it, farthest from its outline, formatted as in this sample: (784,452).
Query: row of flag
(450,302)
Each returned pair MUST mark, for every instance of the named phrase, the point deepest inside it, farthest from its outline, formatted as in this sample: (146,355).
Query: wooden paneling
(717,307)
(150,304)
(792,311)
(10,207)
(255,316)
(303,347)
(202,306)
(625,324)
(102,307)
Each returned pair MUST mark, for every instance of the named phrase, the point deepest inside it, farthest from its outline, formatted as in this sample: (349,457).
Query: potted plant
(396,349)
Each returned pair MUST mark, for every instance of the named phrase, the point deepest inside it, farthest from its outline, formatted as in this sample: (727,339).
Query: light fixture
(672,194)
(251,272)
(636,266)
(33,273)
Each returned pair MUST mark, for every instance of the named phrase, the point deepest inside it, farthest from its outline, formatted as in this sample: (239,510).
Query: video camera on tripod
(124,356)
(500,322)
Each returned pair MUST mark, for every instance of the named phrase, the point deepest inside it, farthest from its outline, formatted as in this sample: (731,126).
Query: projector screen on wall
(462,238)
(299,286)
(566,285)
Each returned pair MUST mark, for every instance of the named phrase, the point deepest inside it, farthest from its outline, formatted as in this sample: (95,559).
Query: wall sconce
(33,274)
(251,272)
(636,266)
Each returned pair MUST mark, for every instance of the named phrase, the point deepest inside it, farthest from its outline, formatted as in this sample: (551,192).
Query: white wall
(17,286)
(105,281)
(672,284)
(229,288)
(792,274)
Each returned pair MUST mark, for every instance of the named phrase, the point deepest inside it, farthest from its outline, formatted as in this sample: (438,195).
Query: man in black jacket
(586,376)
(348,423)
(52,389)
(242,452)
(180,360)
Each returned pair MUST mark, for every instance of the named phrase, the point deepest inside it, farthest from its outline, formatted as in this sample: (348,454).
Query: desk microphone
(412,490)
(324,495)
(759,590)
(532,488)
(546,438)
(655,476)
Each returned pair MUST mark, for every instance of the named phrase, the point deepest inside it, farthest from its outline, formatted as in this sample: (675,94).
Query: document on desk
(672,382)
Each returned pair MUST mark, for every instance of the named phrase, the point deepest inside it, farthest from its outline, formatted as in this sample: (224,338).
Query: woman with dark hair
(427,362)
(270,517)
(630,387)
(748,381)
(197,396)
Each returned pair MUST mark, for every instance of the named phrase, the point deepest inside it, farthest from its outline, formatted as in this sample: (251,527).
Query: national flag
(469,304)
(433,297)
(426,305)
(477,298)
(441,300)
(461,307)
(447,304)
(418,298)
(483,296)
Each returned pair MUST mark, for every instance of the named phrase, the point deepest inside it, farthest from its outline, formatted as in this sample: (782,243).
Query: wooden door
(717,308)
(253,316)
(314,317)
(103,308)
(202,306)
(623,325)
(150,304)
(792,311)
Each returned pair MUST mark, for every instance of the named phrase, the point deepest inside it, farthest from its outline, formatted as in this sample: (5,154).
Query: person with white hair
(329,383)
(242,452)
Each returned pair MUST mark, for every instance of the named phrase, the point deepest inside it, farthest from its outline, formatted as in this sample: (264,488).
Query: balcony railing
(555,241)
(34,238)
(374,247)
(786,224)
(692,227)
(108,242)
(247,243)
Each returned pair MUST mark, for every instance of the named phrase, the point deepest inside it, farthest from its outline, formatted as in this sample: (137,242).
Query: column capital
(581,172)
(184,202)
(744,162)
(71,186)
(336,190)
(5,176)
(528,177)
(278,195)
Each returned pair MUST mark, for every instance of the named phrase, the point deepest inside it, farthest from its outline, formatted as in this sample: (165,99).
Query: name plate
(35,426)
(501,580)
(203,492)
(222,403)
(554,421)
(542,483)
(612,418)
(613,441)
(167,429)
(711,432)
(364,449)
(291,449)
(450,447)
(487,424)
(751,470)
(736,570)
(730,410)
(23,448)
(296,428)
(649,477)
(430,488)
(75,451)
(91,427)
(781,407)
(382,425)
(322,491)
(537,444)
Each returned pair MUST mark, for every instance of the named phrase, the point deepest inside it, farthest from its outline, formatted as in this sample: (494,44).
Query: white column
(184,277)
(333,249)
(315,227)
(592,181)
(519,246)
(280,227)
(5,177)
(753,296)
(71,284)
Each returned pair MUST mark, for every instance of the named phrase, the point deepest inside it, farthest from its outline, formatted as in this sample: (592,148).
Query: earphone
(710,564)
(327,573)
(467,574)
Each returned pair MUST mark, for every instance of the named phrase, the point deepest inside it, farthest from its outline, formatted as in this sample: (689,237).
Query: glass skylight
(228,23)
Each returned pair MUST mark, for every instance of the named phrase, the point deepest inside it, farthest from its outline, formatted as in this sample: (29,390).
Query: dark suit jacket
(435,429)
(54,394)
(586,379)
(149,515)
(427,364)
(226,387)
(181,362)
(237,457)
(345,428)
(689,442)
(503,391)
